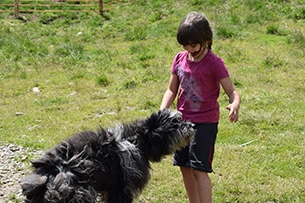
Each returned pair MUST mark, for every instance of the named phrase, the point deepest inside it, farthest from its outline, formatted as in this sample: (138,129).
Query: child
(198,73)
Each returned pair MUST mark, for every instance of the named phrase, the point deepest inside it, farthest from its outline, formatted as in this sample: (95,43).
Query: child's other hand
(233,115)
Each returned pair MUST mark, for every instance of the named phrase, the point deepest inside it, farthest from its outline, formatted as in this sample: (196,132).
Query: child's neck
(199,57)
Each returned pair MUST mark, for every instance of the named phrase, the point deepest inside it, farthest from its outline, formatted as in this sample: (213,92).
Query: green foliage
(298,39)
(299,14)
(95,70)
(74,51)
(136,33)
(48,18)
(275,30)
(103,81)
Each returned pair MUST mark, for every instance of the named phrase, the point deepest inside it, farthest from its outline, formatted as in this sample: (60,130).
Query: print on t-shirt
(189,88)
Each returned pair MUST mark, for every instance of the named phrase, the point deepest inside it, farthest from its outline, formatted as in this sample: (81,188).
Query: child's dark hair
(195,29)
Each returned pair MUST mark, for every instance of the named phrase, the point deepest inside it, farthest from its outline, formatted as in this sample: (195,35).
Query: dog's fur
(112,162)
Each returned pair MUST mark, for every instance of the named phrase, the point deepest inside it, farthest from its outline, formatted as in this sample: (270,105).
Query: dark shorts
(199,154)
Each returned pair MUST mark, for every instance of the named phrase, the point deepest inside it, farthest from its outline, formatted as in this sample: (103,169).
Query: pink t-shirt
(199,86)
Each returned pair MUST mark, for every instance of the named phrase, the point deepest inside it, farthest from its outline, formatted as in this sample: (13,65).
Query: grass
(96,70)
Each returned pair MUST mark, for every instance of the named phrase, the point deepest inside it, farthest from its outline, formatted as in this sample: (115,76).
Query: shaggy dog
(113,163)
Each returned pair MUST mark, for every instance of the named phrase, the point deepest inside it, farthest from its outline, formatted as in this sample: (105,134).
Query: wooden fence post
(16,9)
(100,6)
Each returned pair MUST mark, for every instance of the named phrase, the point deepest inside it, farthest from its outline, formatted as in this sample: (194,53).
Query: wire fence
(32,6)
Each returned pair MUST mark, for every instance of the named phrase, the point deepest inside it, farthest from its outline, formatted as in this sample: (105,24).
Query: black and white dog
(113,163)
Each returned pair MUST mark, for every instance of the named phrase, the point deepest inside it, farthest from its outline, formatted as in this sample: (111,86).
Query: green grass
(98,70)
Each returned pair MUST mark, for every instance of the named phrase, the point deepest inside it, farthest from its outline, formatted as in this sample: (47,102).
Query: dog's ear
(49,160)
(40,162)
(33,184)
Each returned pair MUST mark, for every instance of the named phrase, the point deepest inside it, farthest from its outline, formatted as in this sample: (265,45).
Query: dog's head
(166,132)
(60,183)
(61,188)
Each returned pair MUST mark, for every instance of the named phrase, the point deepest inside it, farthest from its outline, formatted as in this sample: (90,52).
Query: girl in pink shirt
(197,74)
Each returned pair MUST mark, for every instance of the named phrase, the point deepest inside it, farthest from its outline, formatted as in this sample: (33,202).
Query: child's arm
(171,92)
(234,98)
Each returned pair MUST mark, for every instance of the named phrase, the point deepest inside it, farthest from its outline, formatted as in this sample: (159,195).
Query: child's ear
(209,44)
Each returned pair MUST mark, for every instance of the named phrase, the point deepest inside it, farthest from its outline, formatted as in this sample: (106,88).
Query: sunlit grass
(95,70)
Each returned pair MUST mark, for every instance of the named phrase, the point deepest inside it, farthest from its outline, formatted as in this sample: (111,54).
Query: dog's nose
(179,116)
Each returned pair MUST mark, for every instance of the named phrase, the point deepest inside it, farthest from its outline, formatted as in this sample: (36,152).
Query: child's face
(195,50)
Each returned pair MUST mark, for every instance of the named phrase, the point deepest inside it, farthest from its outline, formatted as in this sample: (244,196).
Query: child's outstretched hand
(233,115)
